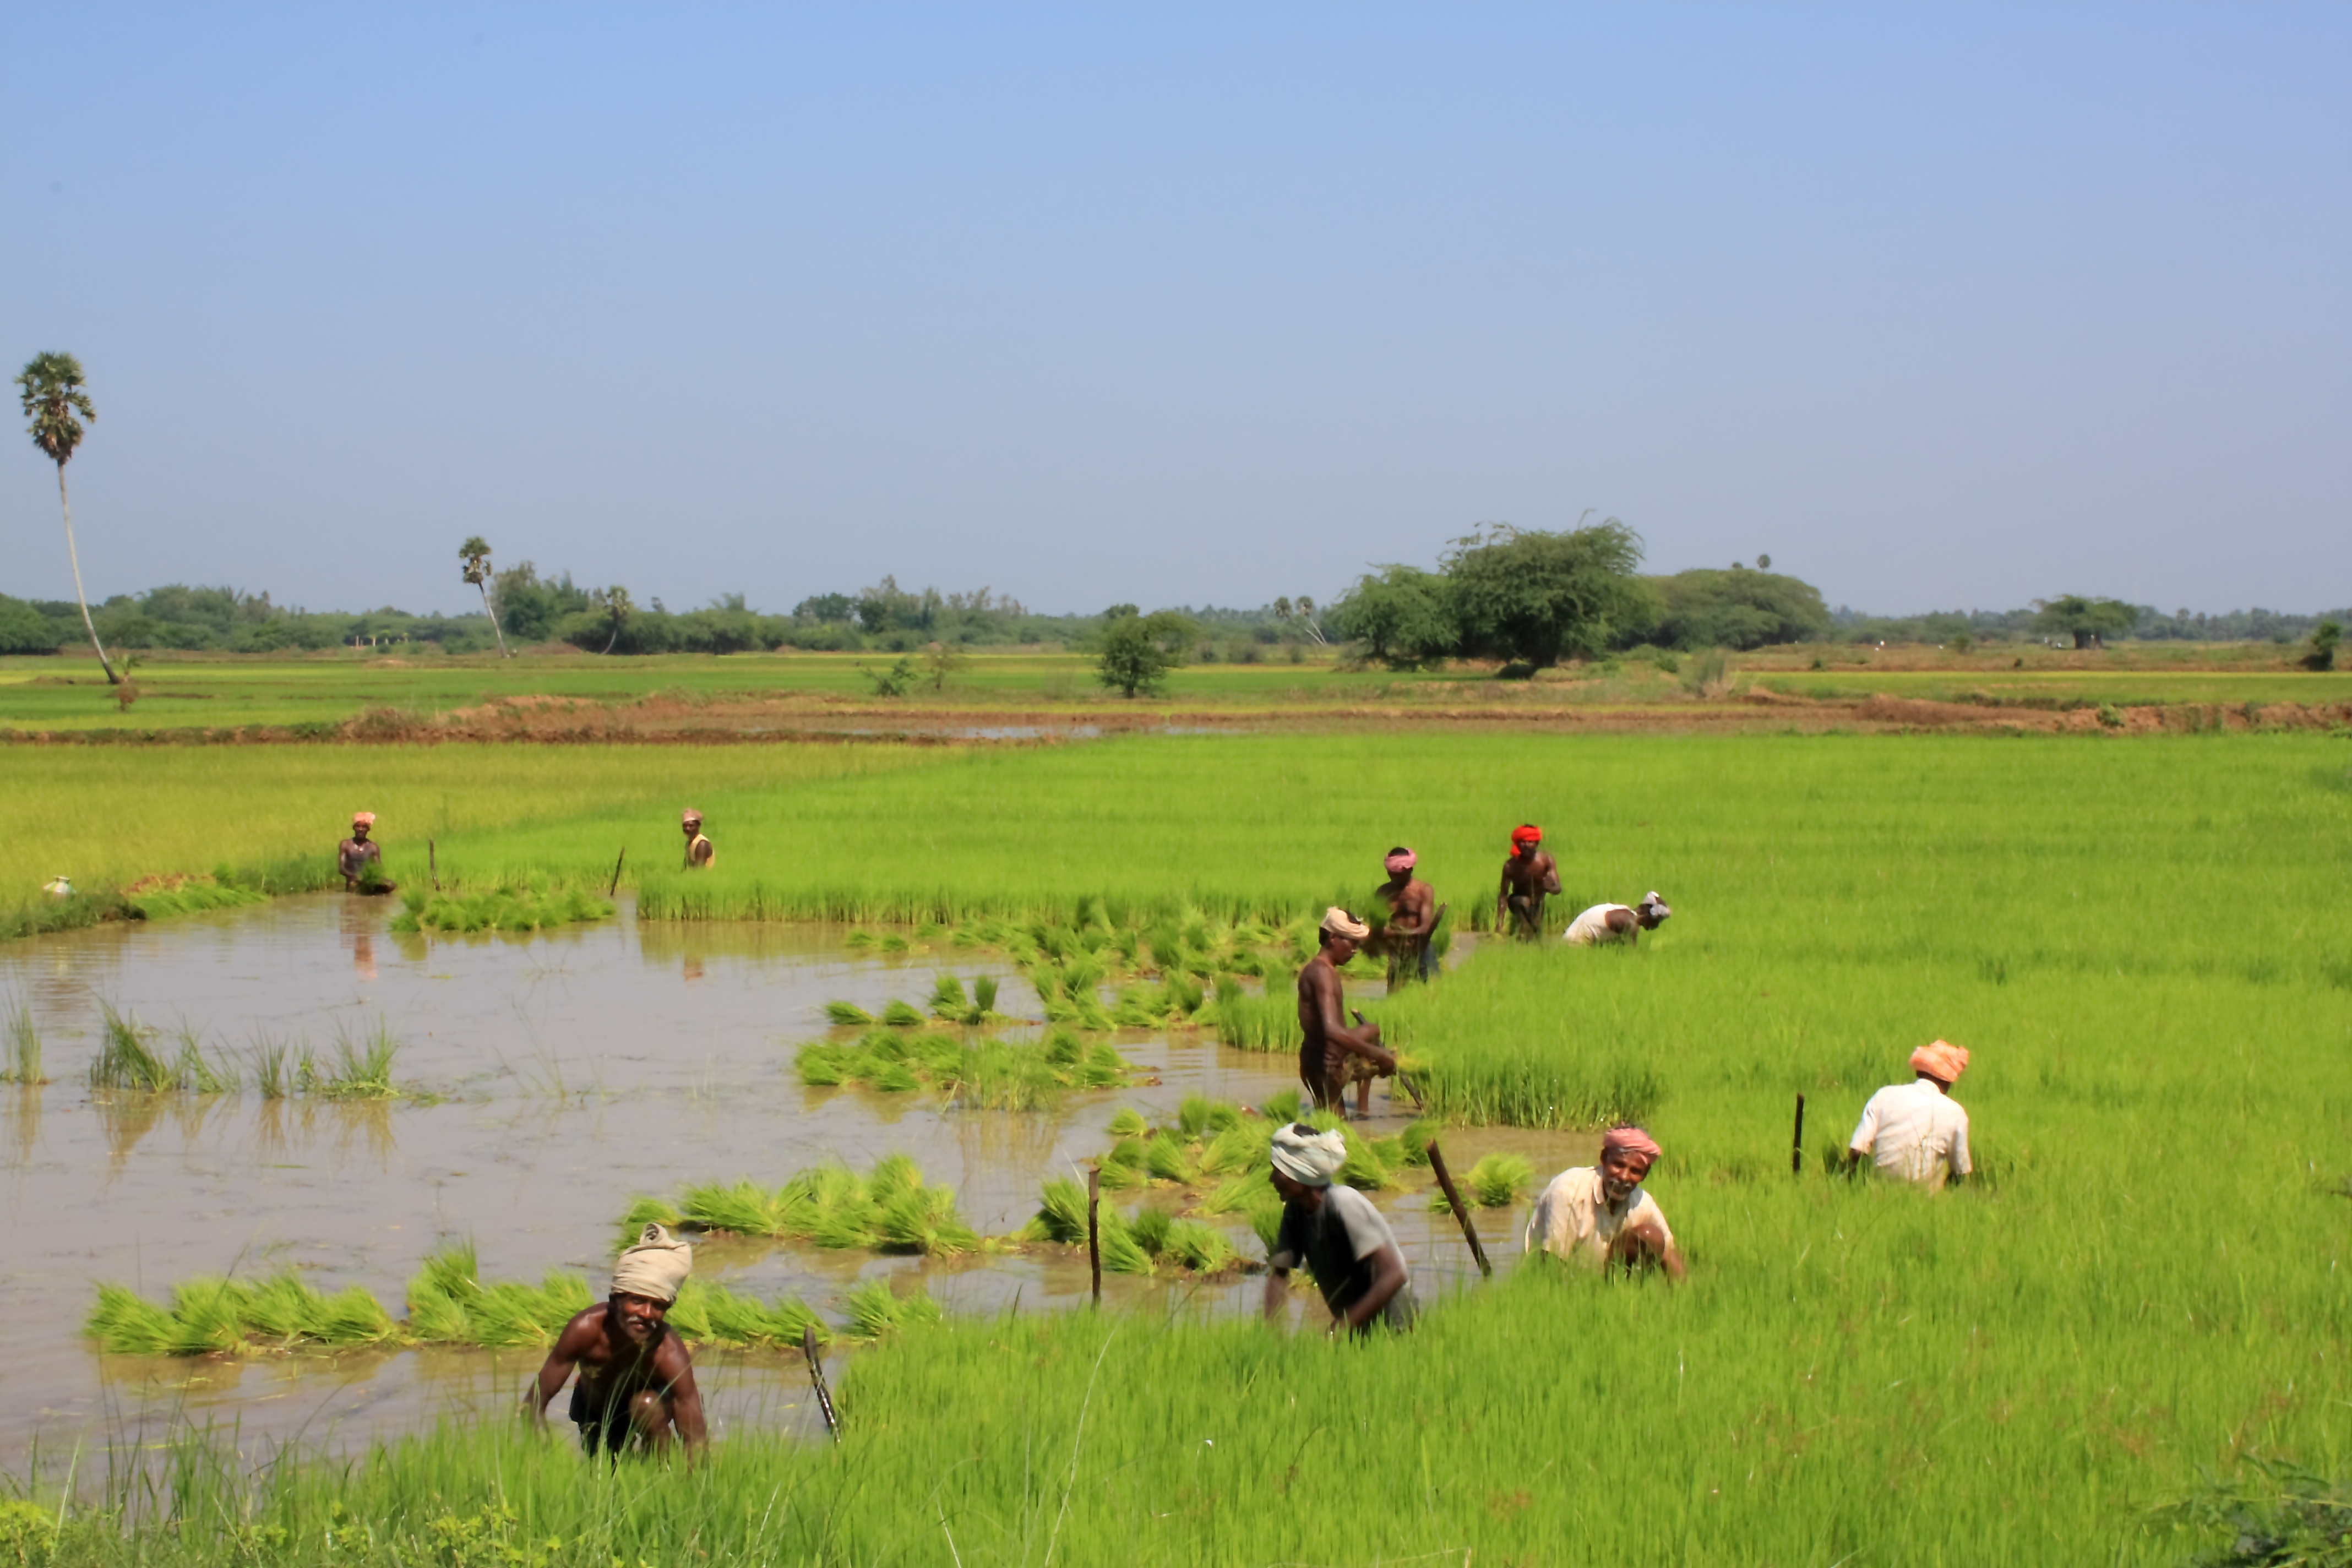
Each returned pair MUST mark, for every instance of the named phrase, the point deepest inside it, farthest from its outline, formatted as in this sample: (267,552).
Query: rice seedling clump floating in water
(514,910)
(989,1074)
(889,1210)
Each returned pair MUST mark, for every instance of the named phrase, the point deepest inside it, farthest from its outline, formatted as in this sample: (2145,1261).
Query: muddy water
(558,1076)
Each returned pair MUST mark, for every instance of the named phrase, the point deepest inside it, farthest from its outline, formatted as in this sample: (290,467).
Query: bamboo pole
(1797,1142)
(1094,1231)
(618,861)
(816,1376)
(1461,1213)
(433,863)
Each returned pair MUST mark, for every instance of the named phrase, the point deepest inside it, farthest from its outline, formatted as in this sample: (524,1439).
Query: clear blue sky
(1940,306)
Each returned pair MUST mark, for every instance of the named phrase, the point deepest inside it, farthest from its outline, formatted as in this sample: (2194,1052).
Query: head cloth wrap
(691,815)
(1403,860)
(1655,905)
(1943,1061)
(1631,1140)
(655,1267)
(1525,833)
(1309,1157)
(1340,923)
(363,819)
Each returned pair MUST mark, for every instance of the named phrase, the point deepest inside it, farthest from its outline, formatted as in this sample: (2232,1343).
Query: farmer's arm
(676,1369)
(1551,875)
(578,1335)
(1364,1040)
(1388,1277)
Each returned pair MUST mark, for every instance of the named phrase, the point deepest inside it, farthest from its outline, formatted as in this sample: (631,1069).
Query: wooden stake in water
(433,863)
(816,1376)
(617,861)
(1094,1231)
(1797,1142)
(1461,1213)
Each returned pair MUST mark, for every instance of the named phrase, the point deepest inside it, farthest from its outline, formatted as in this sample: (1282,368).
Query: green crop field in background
(2142,941)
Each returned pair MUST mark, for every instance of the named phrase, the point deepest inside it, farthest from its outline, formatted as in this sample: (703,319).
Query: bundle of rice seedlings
(1061,1213)
(124,1060)
(984,995)
(1203,1248)
(1198,1115)
(362,1070)
(902,1015)
(1239,1150)
(1281,1106)
(924,1220)
(847,1015)
(1121,1252)
(1165,1156)
(23,1055)
(213,1316)
(194,1073)
(875,1311)
(859,938)
(1498,1179)
(1415,1138)
(948,1000)
(712,1314)
(1122,1165)
(822,1066)
(741,1208)
(1150,1228)
(1127,1122)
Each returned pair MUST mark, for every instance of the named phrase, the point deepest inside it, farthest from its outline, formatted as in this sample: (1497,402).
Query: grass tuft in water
(22,1062)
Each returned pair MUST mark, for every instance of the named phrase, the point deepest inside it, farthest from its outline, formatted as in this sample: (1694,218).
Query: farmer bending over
(1413,915)
(1618,923)
(636,1382)
(1916,1132)
(1332,1056)
(1527,877)
(699,851)
(1337,1233)
(357,857)
(1598,1213)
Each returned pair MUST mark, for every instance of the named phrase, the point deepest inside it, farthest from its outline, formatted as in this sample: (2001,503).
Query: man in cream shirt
(1916,1132)
(1598,1213)
(1618,923)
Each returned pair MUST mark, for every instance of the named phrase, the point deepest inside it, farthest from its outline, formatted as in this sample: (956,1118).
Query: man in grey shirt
(1336,1234)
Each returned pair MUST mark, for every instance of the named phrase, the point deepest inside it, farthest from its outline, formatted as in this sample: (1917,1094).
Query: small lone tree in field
(55,403)
(2324,638)
(1135,652)
(475,554)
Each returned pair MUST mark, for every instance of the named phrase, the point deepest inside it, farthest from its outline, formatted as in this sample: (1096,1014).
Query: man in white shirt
(1618,923)
(1916,1132)
(1600,1214)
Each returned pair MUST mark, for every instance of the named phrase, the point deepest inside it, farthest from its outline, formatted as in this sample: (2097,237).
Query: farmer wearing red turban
(1600,1214)
(1528,876)
(1413,915)
(1917,1132)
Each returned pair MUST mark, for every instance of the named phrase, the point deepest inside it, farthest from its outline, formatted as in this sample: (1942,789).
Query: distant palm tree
(475,554)
(51,389)
(618,609)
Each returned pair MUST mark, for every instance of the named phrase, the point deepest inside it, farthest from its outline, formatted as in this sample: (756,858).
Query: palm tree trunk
(493,614)
(73,555)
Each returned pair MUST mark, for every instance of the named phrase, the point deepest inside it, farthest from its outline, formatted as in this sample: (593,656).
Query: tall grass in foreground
(22,1062)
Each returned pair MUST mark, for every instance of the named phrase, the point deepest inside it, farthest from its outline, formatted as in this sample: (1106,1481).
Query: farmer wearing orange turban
(1917,1132)
(1528,876)
(1600,1214)
(1413,915)
(1331,1055)
(636,1382)
(356,857)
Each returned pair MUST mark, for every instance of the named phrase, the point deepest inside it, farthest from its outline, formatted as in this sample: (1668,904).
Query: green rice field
(2146,1296)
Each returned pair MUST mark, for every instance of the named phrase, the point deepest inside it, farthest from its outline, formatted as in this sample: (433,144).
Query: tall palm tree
(51,390)
(618,608)
(475,554)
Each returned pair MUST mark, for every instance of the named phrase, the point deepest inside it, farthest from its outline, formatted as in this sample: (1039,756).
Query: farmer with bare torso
(1332,1054)
(636,1382)
(1528,876)
(358,857)
(1413,915)
(699,850)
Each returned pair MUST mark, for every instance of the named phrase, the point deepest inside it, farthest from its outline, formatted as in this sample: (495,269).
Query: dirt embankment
(745,719)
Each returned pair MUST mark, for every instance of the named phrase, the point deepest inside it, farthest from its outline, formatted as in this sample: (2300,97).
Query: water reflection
(25,1121)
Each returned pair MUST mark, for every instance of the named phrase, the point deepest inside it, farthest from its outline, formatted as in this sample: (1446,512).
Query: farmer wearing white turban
(1337,1233)
(1331,1055)
(636,1381)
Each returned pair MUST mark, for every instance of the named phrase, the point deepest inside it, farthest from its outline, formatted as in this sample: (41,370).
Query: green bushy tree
(2090,622)
(1134,652)
(2324,637)
(1534,596)
(1401,615)
(1737,609)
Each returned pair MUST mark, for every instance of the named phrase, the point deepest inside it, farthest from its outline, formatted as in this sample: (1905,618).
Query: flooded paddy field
(545,1082)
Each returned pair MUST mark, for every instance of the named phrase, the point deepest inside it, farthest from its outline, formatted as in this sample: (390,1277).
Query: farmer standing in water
(1332,1056)
(1529,876)
(699,850)
(636,1382)
(1413,915)
(1336,1234)
(355,856)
